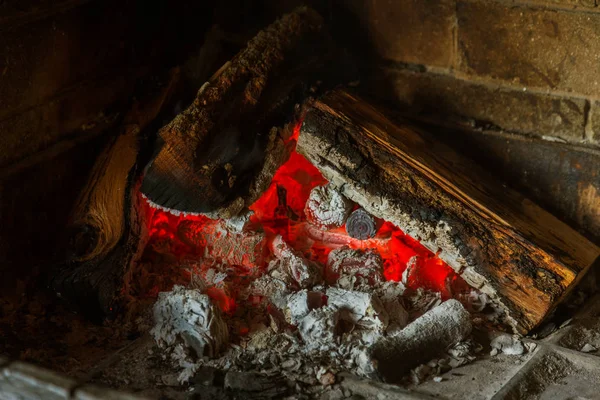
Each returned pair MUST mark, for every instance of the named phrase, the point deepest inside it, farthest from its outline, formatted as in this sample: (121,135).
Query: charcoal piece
(362,309)
(361,225)
(327,208)
(300,303)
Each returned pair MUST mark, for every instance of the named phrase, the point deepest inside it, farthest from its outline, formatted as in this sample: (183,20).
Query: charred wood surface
(219,155)
(500,242)
(107,227)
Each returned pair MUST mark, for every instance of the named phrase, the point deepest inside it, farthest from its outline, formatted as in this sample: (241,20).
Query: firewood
(220,154)
(107,225)
(521,256)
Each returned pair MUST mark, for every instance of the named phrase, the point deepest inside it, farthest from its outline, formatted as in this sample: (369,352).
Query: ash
(299,320)
(288,301)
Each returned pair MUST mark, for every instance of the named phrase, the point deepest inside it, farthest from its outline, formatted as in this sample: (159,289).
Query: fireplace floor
(563,365)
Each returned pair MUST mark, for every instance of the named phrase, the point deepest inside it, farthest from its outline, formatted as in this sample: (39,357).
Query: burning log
(216,157)
(522,257)
(107,224)
(422,340)
(219,155)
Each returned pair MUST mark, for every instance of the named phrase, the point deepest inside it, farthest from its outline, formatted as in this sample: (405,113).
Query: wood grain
(219,155)
(107,225)
(502,243)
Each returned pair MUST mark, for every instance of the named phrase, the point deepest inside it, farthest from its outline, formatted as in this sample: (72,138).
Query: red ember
(280,211)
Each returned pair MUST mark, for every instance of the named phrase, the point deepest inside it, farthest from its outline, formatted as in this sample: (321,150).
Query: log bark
(523,257)
(107,227)
(220,154)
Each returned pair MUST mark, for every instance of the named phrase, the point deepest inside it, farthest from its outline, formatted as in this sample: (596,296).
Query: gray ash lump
(423,339)
(303,272)
(188,317)
(347,266)
(327,208)
(361,225)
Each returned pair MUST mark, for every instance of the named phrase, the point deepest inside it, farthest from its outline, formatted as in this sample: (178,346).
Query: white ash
(186,316)
(588,348)
(506,344)
(318,328)
(346,263)
(460,354)
(304,272)
(364,310)
(327,208)
(397,314)
(299,304)
(422,301)
(422,339)
(474,301)
(292,331)
(239,222)
(272,288)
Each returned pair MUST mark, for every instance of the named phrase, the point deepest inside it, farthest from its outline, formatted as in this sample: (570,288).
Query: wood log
(220,154)
(523,257)
(107,227)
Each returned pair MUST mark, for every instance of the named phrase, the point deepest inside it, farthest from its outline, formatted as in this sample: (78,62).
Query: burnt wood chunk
(108,224)
(523,257)
(361,225)
(220,154)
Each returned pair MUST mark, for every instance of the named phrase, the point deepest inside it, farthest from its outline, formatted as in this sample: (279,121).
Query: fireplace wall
(513,84)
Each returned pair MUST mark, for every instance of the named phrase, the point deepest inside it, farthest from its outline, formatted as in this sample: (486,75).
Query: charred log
(107,227)
(501,243)
(219,155)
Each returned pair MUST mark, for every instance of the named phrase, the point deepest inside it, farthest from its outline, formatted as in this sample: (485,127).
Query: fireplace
(306,209)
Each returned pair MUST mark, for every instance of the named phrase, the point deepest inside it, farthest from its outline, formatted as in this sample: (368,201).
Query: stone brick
(25,381)
(76,110)
(413,31)
(530,47)
(459,101)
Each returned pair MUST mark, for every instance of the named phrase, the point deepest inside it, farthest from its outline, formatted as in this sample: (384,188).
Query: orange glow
(280,211)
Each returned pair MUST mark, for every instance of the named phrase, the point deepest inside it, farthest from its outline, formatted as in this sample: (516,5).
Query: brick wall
(529,67)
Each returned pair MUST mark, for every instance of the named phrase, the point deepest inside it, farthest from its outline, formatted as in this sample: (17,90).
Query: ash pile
(297,324)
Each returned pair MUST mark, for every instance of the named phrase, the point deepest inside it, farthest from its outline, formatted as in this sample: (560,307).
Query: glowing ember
(189,240)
